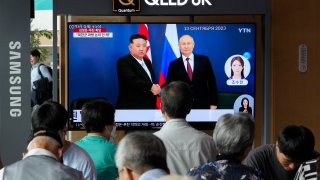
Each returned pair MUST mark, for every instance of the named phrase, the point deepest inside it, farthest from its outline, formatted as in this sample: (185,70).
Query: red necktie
(189,70)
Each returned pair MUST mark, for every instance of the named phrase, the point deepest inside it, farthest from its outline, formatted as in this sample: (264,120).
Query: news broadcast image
(94,48)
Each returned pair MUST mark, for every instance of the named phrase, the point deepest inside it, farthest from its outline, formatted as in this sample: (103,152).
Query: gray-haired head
(141,151)
(233,134)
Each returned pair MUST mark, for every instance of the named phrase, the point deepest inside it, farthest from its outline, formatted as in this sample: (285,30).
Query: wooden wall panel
(295,95)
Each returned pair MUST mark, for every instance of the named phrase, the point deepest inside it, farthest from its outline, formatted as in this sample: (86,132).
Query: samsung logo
(177,2)
(15,78)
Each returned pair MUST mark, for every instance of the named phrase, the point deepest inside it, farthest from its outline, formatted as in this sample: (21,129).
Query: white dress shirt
(186,146)
(153,174)
(191,61)
(144,66)
(35,74)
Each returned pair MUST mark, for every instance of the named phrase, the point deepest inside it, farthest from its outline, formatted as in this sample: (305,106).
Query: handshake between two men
(155,89)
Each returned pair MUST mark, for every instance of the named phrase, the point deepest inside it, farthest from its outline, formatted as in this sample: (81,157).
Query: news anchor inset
(244,103)
(237,68)
(245,106)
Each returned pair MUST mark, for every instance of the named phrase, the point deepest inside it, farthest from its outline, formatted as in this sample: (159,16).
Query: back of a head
(176,99)
(141,151)
(234,133)
(95,115)
(50,115)
(296,142)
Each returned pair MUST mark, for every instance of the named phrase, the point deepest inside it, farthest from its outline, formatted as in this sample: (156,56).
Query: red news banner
(91,33)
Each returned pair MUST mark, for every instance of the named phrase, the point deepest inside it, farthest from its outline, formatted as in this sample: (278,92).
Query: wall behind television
(295,95)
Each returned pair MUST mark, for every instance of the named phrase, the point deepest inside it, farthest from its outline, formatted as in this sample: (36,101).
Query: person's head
(295,145)
(98,116)
(186,45)
(245,102)
(233,135)
(138,46)
(139,152)
(176,100)
(50,115)
(237,65)
(34,56)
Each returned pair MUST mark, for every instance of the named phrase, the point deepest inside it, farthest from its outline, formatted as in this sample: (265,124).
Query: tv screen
(94,48)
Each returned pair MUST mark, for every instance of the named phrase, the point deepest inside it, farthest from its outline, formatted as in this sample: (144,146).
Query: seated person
(98,120)
(233,135)
(186,146)
(141,156)
(42,161)
(309,170)
(295,145)
(53,115)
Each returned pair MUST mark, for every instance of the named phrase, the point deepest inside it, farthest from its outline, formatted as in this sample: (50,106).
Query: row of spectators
(176,149)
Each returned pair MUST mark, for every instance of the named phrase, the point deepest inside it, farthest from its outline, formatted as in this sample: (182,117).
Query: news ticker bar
(125,116)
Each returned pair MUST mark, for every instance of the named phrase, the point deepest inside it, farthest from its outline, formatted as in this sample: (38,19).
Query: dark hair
(296,142)
(50,115)
(237,58)
(176,99)
(243,100)
(137,36)
(95,115)
(35,53)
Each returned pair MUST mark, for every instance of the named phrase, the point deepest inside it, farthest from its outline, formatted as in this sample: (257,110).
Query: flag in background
(143,29)
(170,52)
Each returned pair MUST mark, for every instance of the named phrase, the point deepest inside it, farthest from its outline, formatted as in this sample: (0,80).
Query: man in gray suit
(42,160)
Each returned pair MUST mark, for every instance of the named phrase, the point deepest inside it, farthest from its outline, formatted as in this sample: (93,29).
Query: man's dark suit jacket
(134,84)
(203,84)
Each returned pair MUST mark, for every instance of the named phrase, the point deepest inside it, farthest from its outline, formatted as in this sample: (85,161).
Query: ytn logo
(177,2)
(244,30)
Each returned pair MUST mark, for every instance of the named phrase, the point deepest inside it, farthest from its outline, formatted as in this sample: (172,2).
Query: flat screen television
(94,48)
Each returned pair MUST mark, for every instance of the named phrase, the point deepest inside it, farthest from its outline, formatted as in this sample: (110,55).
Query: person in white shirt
(186,146)
(53,115)
(35,62)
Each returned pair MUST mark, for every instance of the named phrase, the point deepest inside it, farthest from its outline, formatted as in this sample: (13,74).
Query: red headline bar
(89,30)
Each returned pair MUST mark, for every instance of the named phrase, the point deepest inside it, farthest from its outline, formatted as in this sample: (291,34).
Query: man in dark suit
(136,77)
(196,71)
